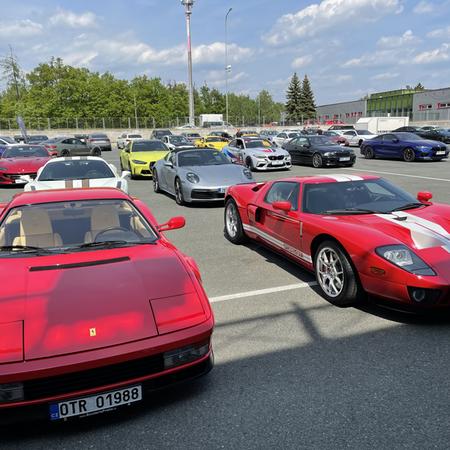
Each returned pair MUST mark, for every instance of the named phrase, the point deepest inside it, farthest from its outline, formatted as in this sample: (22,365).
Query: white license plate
(440,152)
(95,403)
(277,163)
(345,158)
(19,181)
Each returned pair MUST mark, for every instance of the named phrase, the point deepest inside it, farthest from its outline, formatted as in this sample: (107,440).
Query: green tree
(294,107)
(308,103)
(419,87)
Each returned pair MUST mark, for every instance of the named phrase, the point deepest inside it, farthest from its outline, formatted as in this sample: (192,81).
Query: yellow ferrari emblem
(92,332)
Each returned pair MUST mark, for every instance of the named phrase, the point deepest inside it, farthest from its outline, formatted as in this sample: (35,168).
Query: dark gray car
(197,175)
(70,146)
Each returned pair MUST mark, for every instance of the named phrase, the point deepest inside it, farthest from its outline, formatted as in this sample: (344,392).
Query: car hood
(425,230)
(263,150)
(69,184)
(221,175)
(68,309)
(331,148)
(148,156)
(23,165)
(427,142)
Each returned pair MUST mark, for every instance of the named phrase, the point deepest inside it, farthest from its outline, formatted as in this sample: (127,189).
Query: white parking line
(399,174)
(273,290)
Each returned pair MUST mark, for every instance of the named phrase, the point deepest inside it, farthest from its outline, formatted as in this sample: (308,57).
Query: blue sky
(348,48)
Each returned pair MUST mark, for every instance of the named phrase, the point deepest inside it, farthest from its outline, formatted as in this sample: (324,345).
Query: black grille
(276,158)
(206,195)
(93,378)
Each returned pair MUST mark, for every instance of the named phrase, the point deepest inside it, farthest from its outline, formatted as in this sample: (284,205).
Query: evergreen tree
(308,106)
(419,87)
(294,99)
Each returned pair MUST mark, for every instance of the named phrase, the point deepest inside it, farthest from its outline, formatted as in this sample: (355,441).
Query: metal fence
(125,123)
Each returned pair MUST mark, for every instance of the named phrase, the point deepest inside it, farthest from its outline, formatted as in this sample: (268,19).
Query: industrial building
(420,106)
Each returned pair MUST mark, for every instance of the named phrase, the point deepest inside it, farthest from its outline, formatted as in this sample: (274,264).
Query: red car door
(280,229)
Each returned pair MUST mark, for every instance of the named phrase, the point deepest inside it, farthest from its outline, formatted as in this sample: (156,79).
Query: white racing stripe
(401,175)
(288,287)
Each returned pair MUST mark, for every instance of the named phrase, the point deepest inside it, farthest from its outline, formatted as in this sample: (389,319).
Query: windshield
(75,170)
(134,136)
(36,230)
(293,135)
(214,139)
(408,137)
(193,135)
(8,139)
(321,140)
(365,133)
(25,151)
(38,138)
(148,146)
(178,140)
(202,158)
(99,137)
(257,143)
(370,196)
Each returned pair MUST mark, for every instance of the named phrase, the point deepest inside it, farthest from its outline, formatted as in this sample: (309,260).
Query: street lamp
(227,67)
(188,4)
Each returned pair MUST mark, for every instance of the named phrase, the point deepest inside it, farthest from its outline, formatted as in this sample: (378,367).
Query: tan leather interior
(36,230)
(104,216)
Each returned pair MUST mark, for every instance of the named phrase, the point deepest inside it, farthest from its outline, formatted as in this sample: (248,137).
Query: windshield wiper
(110,244)
(411,205)
(351,211)
(25,248)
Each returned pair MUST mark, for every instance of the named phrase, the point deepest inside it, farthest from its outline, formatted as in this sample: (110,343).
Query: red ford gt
(21,159)
(359,234)
(97,307)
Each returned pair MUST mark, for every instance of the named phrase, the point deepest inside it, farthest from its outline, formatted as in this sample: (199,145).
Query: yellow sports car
(139,156)
(216,142)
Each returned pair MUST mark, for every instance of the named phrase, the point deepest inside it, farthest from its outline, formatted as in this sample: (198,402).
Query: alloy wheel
(330,272)
(231,219)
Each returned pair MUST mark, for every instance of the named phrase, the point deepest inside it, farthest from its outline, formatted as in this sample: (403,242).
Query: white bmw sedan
(77,172)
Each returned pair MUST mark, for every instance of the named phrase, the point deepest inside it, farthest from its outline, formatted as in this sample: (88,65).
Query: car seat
(102,217)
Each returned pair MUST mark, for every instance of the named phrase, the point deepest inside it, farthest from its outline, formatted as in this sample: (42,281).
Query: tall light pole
(227,67)
(188,4)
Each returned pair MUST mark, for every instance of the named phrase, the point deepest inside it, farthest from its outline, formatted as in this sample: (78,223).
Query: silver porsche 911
(197,175)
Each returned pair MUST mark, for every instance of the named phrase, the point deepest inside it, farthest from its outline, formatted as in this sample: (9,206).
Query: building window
(443,105)
(424,107)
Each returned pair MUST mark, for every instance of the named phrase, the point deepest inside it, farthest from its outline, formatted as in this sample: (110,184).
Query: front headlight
(329,154)
(248,174)
(192,177)
(260,156)
(403,257)
(423,148)
(138,161)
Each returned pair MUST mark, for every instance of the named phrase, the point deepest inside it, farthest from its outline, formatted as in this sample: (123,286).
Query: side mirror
(168,164)
(395,140)
(282,206)
(173,224)
(126,174)
(424,197)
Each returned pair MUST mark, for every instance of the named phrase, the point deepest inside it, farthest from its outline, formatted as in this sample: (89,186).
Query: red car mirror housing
(173,224)
(424,196)
(283,206)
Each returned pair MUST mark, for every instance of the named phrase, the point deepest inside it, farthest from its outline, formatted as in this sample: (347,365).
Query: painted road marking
(399,174)
(288,287)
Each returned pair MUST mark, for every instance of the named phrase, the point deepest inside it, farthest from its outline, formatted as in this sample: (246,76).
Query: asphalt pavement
(291,370)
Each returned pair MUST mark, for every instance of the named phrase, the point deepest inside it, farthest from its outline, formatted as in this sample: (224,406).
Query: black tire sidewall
(321,160)
(180,201)
(368,153)
(351,293)
(155,181)
(240,237)
(408,149)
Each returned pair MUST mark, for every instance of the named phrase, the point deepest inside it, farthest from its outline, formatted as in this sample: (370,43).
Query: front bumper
(142,170)
(195,193)
(337,161)
(267,164)
(14,178)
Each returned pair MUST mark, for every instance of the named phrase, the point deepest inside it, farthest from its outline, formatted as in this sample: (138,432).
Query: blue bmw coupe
(406,146)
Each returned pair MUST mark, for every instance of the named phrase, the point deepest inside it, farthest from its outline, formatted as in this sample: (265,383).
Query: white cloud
(407,38)
(439,33)
(301,61)
(80,59)
(385,76)
(318,17)
(69,18)
(433,56)
(378,58)
(216,78)
(423,7)
(20,29)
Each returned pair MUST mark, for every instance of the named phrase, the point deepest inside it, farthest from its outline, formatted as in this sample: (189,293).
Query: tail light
(53,147)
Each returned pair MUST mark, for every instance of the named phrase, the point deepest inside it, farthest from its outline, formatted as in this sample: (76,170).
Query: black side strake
(80,264)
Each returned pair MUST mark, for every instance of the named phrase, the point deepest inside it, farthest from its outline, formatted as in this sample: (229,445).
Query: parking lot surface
(291,370)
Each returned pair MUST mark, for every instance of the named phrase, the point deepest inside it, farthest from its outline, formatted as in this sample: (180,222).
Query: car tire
(179,192)
(96,152)
(156,187)
(317,160)
(369,153)
(360,142)
(408,155)
(349,290)
(132,176)
(65,153)
(233,228)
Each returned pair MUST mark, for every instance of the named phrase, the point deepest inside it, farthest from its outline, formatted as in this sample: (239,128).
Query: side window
(76,142)
(67,141)
(349,133)
(282,135)
(388,137)
(302,141)
(232,143)
(173,158)
(284,191)
(240,143)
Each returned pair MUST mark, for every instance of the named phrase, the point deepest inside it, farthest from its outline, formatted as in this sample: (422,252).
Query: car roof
(76,158)
(330,178)
(64,195)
